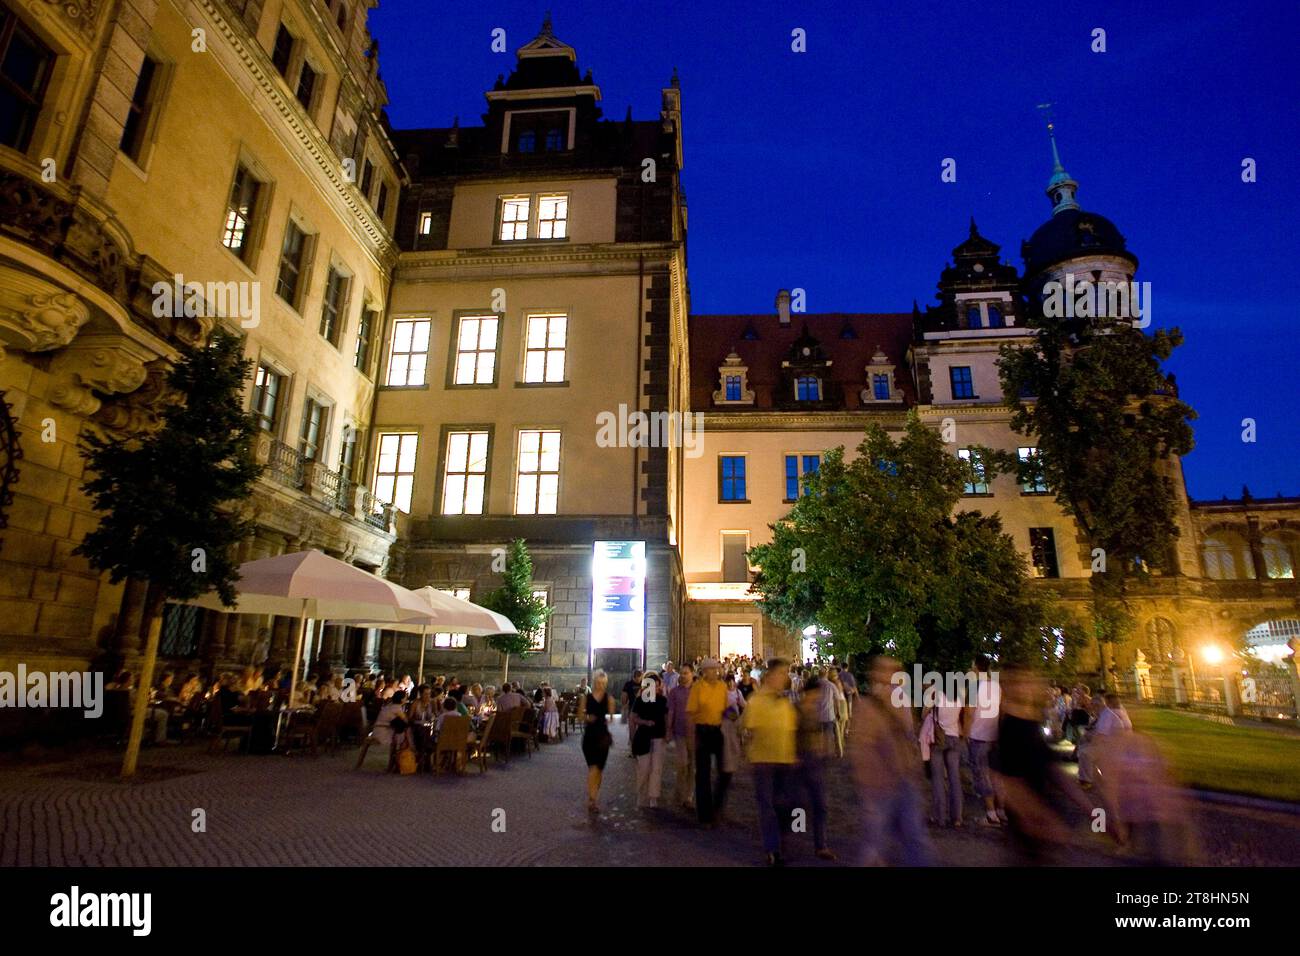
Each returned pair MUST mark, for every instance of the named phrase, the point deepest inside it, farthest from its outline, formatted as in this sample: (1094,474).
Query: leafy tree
(168,502)
(1105,416)
(515,600)
(873,554)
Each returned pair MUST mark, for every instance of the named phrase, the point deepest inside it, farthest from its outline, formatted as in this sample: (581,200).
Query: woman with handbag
(594,712)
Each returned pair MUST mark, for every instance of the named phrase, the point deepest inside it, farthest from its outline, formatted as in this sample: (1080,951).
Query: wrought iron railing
(285,465)
(375,512)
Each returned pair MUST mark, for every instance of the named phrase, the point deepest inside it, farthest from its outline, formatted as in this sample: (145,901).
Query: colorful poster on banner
(618,595)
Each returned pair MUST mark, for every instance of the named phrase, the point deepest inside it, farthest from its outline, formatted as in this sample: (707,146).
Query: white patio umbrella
(309,584)
(445,613)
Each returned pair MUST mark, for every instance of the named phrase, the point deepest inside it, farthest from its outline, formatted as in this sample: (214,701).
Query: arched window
(1277,557)
(1161,640)
(995,317)
(1227,557)
(527,141)
(973,317)
(554,141)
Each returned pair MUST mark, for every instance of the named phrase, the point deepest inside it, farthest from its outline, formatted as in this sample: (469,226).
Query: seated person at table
(449,709)
(391,720)
(510,700)
(487,704)
(472,697)
(228,694)
(457,695)
(304,694)
(424,708)
(331,688)
(192,688)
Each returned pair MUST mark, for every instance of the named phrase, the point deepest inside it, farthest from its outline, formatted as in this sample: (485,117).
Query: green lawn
(1258,761)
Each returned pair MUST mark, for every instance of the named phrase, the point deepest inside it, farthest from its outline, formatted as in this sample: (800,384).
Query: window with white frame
(395,468)
(1033,483)
(537,488)
(443,640)
(552,217)
(476,350)
(515,217)
(464,481)
(976,482)
(546,341)
(410,353)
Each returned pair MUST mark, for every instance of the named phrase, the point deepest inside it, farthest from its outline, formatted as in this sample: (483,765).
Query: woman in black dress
(595,710)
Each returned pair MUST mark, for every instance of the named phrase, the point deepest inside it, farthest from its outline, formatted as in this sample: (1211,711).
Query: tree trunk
(153,611)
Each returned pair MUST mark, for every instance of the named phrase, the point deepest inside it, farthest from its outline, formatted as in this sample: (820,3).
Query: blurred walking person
(814,741)
(594,712)
(769,724)
(882,753)
(704,708)
(649,715)
(681,739)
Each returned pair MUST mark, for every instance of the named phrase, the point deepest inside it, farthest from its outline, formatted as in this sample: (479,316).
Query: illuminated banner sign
(618,595)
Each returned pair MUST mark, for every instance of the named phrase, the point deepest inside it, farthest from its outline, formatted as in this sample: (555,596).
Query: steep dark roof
(1070,234)
(713,337)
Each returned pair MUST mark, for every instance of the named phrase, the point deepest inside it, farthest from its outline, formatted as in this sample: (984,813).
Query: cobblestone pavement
(302,810)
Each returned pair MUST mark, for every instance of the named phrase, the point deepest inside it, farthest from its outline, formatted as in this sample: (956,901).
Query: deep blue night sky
(821,170)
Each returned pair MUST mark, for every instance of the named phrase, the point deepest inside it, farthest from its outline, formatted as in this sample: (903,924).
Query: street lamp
(1212,654)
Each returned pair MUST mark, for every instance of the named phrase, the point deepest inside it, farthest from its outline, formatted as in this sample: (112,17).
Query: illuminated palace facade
(457,329)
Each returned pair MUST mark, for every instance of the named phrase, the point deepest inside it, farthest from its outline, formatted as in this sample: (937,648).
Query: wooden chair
(453,742)
(217,726)
(526,729)
(571,718)
(503,727)
(478,747)
(564,717)
(352,721)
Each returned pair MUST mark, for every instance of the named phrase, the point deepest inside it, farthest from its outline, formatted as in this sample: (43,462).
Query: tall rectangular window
(241,213)
(266,397)
(1042,552)
(796,466)
(546,342)
(537,488)
(282,52)
(731,478)
(410,352)
(808,388)
(538,639)
(735,566)
(25,67)
(426,223)
(292,253)
(976,481)
(445,640)
(880,387)
(332,309)
(313,429)
(367,178)
(1034,483)
(552,217)
(476,350)
(137,117)
(365,339)
(960,379)
(464,482)
(306,85)
(732,391)
(395,468)
(348,452)
(514,218)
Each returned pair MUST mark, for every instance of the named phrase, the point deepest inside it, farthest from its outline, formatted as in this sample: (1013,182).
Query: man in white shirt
(1113,718)
(983,713)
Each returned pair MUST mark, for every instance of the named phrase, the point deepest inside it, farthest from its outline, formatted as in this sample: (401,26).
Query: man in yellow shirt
(704,710)
(770,722)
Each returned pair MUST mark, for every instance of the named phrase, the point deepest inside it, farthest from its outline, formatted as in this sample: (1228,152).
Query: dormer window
(995,318)
(528,131)
(554,141)
(880,387)
(973,317)
(808,388)
(527,142)
(880,380)
(733,381)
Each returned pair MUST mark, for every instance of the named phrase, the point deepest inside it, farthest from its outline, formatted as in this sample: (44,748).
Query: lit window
(292,252)
(808,388)
(266,397)
(444,640)
(395,469)
(733,388)
(735,639)
(1042,552)
(796,466)
(410,352)
(731,478)
(426,223)
(538,488)
(241,211)
(960,379)
(1034,484)
(476,351)
(514,218)
(465,477)
(552,217)
(976,483)
(544,354)
(538,639)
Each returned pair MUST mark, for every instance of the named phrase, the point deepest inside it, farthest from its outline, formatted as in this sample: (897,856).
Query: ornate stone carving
(140,412)
(82,13)
(36,315)
(99,366)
